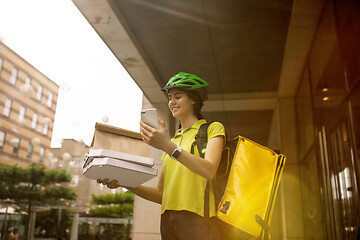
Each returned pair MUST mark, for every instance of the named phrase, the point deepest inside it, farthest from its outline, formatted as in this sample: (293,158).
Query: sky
(56,39)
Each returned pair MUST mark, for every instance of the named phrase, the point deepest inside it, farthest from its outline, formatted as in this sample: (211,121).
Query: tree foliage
(118,211)
(116,198)
(113,205)
(34,183)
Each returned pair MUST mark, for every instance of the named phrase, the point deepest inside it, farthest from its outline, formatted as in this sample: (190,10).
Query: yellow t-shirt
(184,189)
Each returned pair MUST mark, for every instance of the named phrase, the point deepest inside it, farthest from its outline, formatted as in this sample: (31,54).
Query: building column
(146,217)
(31,230)
(75,227)
(289,195)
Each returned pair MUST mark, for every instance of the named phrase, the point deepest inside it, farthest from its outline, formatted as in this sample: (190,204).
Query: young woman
(184,176)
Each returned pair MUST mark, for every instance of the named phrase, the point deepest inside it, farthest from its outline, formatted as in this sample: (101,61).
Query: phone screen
(149,116)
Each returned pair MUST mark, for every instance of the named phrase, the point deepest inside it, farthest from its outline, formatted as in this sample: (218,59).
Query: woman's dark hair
(198,103)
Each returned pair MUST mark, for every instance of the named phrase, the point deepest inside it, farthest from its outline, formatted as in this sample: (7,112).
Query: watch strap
(176,153)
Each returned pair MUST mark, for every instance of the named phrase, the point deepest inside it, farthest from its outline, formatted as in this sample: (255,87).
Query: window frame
(39,93)
(17,147)
(50,99)
(22,113)
(41,155)
(1,63)
(28,80)
(30,151)
(46,128)
(34,121)
(7,107)
(13,77)
(2,139)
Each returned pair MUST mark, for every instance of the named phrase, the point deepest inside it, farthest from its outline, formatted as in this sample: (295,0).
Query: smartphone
(149,116)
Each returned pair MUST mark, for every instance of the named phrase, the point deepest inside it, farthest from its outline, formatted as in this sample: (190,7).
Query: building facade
(328,125)
(71,157)
(27,109)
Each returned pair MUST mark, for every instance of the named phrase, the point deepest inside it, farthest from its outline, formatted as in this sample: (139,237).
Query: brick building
(27,109)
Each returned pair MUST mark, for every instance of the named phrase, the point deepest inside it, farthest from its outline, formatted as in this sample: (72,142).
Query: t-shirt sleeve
(163,156)
(216,129)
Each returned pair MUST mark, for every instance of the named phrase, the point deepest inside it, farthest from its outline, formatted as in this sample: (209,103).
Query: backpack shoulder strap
(201,139)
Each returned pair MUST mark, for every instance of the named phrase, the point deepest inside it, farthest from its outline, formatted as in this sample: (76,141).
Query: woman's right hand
(112,184)
(157,138)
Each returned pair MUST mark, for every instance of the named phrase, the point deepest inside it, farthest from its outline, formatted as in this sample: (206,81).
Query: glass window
(29,152)
(39,93)
(28,81)
(53,162)
(75,180)
(22,114)
(311,198)
(326,68)
(340,162)
(2,140)
(355,110)
(348,30)
(344,182)
(42,154)
(13,77)
(34,121)
(7,108)
(50,100)
(304,116)
(77,161)
(16,146)
(331,122)
(60,163)
(46,128)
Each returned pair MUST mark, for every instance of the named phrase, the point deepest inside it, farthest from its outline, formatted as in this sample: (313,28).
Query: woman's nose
(171,101)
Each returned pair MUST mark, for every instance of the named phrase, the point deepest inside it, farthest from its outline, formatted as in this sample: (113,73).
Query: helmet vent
(198,81)
(189,83)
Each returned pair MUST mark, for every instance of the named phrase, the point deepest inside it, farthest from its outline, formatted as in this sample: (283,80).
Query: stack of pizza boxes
(118,154)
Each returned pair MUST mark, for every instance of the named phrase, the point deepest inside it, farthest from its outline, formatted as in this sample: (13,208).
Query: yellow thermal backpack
(245,186)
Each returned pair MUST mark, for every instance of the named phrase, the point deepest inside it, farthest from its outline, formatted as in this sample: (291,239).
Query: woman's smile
(174,109)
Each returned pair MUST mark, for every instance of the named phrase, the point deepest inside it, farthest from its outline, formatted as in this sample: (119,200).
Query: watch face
(176,154)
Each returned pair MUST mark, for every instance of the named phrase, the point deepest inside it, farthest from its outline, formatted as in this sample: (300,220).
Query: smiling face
(180,104)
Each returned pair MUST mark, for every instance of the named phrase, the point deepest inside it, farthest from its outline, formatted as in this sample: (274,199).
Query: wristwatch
(176,153)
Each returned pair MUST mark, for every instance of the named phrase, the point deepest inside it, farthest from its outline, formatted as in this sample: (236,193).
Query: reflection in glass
(355,110)
(349,27)
(333,70)
(304,116)
(340,160)
(311,196)
(326,68)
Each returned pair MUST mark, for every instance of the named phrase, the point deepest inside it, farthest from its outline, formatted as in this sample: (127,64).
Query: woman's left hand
(157,138)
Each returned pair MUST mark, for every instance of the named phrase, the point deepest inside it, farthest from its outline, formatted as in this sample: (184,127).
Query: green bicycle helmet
(188,82)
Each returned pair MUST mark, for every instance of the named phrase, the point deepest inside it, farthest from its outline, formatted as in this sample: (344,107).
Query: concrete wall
(289,203)
(146,220)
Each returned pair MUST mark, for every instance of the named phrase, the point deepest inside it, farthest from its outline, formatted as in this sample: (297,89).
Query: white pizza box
(119,155)
(127,174)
